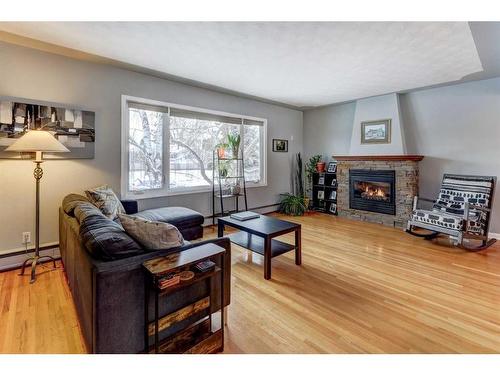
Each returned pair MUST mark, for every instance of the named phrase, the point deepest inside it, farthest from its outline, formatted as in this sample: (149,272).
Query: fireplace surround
(405,169)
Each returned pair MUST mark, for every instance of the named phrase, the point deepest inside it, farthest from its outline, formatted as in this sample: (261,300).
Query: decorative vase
(320,167)
(235,189)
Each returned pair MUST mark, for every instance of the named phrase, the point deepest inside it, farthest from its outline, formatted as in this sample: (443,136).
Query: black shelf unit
(327,188)
(220,192)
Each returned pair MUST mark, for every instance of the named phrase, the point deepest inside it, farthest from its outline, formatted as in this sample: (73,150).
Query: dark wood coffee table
(257,235)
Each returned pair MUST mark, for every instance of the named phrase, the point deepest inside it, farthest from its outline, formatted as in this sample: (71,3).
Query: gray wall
(31,74)
(327,130)
(456,128)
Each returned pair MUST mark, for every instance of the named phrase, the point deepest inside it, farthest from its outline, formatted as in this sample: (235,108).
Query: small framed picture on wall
(280,145)
(321,180)
(333,195)
(321,194)
(333,208)
(334,182)
(332,167)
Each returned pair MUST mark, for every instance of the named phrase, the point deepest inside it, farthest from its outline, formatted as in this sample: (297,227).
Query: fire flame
(378,192)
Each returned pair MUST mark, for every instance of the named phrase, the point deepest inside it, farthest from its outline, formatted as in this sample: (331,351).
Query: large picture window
(169,149)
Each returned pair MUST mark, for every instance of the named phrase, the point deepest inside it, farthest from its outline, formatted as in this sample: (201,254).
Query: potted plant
(320,166)
(299,180)
(221,150)
(223,170)
(310,169)
(292,205)
(233,142)
(295,204)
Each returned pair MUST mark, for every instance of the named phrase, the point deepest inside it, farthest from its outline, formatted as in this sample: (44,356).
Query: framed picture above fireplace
(378,131)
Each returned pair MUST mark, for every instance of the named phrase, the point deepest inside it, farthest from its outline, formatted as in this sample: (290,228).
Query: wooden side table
(199,337)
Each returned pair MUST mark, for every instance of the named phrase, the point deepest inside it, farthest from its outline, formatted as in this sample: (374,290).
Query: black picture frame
(321,195)
(332,167)
(333,195)
(280,145)
(321,180)
(333,208)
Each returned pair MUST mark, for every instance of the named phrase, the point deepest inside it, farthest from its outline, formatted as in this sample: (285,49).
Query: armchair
(462,211)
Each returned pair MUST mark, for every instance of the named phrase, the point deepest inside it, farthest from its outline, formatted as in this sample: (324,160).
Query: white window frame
(165,191)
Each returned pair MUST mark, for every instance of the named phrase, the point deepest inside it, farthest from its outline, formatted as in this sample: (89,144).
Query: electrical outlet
(26,237)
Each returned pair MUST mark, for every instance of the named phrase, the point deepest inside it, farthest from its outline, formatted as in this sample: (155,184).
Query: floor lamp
(37,141)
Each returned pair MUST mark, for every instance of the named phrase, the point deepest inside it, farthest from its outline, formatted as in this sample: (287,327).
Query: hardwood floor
(39,317)
(362,288)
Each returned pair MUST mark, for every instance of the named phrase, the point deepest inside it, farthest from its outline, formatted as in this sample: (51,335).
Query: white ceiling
(298,63)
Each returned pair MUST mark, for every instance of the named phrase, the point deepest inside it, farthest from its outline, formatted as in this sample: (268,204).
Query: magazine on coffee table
(245,215)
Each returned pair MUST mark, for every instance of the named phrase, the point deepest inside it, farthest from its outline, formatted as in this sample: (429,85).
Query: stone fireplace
(378,189)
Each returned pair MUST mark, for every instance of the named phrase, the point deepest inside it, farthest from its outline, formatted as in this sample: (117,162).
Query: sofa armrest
(135,262)
(131,206)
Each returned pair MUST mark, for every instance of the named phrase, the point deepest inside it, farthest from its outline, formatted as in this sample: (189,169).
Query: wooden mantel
(380,157)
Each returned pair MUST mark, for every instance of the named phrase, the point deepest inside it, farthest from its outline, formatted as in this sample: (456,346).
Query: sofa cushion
(180,217)
(70,202)
(106,200)
(152,235)
(103,238)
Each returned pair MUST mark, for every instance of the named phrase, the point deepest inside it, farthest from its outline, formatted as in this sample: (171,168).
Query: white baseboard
(22,249)
(17,260)
(494,235)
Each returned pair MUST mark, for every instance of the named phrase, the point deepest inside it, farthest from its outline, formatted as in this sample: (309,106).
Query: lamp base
(34,261)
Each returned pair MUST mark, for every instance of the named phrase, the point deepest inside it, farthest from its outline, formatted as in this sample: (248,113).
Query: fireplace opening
(373,191)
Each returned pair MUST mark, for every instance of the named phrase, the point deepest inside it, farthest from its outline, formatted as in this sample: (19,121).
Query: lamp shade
(37,141)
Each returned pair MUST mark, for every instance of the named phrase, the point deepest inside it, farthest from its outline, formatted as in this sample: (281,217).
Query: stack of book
(169,280)
(205,266)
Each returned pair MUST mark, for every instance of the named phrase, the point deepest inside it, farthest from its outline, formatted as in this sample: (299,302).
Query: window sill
(172,193)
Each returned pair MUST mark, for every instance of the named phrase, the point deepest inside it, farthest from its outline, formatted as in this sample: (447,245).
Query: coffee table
(258,235)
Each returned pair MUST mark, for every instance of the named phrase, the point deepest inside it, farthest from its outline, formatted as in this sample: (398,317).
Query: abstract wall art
(75,128)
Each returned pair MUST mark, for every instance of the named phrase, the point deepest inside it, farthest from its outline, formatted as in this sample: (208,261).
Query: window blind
(147,107)
(176,112)
(253,122)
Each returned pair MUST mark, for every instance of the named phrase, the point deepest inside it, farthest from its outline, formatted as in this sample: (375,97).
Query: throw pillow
(71,201)
(104,198)
(104,238)
(152,235)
